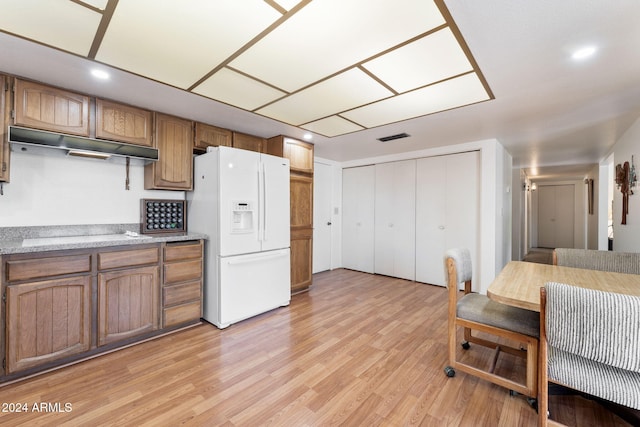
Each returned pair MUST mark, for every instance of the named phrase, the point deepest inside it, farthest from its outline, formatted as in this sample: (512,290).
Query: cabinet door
(358,206)
(301,260)
(4,122)
(211,136)
(120,122)
(174,168)
(301,194)
(395,219)
(249,142)
(128,302)
(47,320)
(44,107)
(299,153)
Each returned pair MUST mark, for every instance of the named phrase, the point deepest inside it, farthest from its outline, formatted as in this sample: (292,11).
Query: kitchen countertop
(15,240)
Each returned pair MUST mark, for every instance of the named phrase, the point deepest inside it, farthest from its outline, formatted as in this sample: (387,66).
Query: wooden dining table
(519,283)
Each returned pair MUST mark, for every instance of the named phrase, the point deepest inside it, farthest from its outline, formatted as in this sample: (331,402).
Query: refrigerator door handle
(247,260)
(264,203)
(260,202)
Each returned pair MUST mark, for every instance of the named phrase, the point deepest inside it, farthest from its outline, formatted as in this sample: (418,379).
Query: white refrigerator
(240,199)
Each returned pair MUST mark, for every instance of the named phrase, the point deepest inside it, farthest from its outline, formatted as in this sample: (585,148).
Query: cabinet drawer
(178,294)
(181,313)
(34,268)
(182,271)
(107,260)
(181,252)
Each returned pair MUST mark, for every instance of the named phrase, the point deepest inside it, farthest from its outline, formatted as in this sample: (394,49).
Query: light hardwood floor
(356,350)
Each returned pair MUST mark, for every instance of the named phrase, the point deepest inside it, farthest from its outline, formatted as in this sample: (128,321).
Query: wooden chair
(589,342)
(618,262)
(475,312)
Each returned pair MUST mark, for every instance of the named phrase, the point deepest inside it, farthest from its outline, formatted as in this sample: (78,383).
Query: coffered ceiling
(330,66)
(352,71)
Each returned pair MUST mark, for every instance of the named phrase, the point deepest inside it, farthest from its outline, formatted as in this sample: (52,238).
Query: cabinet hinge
(4,363)
(13,114)
(4,166)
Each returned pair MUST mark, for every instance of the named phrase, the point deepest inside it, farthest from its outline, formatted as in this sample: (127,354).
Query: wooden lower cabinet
(182,285)
(47,320)
(301,258)
(65,306)
(127,303)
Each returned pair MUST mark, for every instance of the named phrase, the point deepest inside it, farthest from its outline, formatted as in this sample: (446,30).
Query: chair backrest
(462,260)
(618,262)
(599,326)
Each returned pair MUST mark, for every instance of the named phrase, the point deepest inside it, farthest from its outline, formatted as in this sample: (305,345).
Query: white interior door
(358,204)
(322,217)
(395,219)
(556,211)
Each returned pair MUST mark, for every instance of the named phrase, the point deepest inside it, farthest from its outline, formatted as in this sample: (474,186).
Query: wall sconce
(534,186)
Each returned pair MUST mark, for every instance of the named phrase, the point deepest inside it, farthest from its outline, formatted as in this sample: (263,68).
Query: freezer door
(253,284)
(239,203)
(276,208)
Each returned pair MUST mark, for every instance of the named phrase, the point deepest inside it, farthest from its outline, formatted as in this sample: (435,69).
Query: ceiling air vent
(392,137)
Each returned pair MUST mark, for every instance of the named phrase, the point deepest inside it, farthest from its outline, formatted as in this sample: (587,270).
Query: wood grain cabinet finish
(301,196)
(123,123)
(301,260)
(5,97)
(47,108)
(249,142)
(128,258)
(211,136)
(47,320)
(128,303)
(36,268)
(299,153)
(174,168)
(182,286)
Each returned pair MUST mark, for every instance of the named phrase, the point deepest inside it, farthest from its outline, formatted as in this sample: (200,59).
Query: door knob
(329,223)
(441,227)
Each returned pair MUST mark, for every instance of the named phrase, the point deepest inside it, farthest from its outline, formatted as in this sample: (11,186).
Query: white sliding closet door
(358,192)
(447,212)
(395,212)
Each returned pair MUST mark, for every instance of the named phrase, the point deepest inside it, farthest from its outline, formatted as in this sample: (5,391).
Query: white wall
(49,190)
(626,238)
(495,207)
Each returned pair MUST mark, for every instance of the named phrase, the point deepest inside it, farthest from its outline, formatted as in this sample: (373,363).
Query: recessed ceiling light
(583,53)
(307,136)
(100,74)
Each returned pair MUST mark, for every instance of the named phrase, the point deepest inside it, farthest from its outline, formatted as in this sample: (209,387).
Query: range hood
(44,142)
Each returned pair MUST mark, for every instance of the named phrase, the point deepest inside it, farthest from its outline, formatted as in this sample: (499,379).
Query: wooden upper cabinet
(123,123)
(47,108)
(299,153)
(249,142)
(174,168)
(211,136)
(4,122)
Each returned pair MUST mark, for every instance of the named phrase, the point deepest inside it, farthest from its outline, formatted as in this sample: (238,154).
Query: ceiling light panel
(449,94)
(332,126)
(328,36)
(432,58)
(74,29)
(238,90)
(179,42)
(339,93)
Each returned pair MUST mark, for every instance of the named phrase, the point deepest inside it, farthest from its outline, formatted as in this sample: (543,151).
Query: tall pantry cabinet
(300,155)
(447,212)
(395,216)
